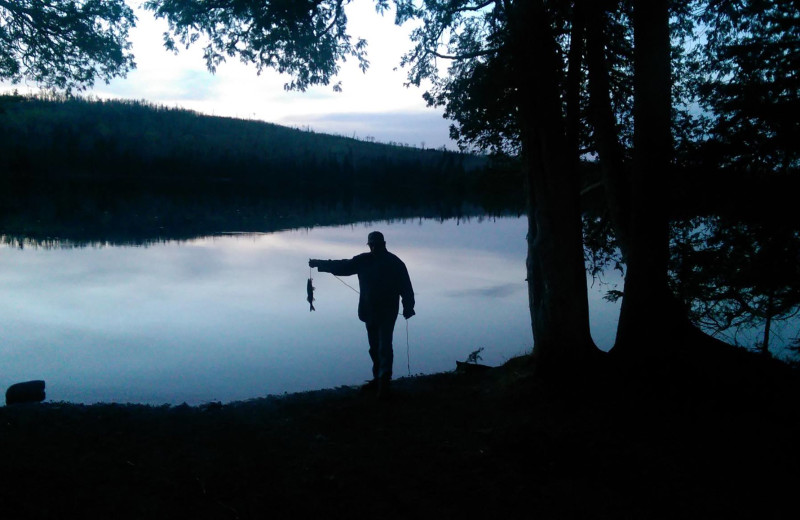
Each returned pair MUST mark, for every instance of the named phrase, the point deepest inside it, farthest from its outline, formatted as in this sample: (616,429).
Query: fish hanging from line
(310,295)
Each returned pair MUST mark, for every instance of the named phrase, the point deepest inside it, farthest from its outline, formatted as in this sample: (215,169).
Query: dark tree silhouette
(304,38)
(504,88)
(65,44)
(628,120)
(647,305)
(749,83)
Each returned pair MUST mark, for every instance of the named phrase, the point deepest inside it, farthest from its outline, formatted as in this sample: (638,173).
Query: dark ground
(713,438)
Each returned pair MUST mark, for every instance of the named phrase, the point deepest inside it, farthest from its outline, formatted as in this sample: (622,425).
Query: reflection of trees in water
(736,277)
(92,214)
(738,280)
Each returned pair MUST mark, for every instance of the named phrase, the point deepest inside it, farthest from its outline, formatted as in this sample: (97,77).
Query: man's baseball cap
(376,237)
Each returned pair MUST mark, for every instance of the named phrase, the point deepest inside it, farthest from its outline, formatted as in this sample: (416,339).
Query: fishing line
(408,351)
(347,284)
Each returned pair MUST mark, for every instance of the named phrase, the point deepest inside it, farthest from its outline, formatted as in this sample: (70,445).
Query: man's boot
(384,389)
(370,386)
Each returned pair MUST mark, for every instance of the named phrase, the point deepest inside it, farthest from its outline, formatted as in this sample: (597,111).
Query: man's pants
(380,332)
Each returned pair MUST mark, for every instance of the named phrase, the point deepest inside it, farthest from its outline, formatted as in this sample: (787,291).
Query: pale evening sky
(374,104)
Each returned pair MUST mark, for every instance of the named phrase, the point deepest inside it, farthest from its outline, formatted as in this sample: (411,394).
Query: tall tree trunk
(574,80)
(606,131)
(650,317)
(556,273)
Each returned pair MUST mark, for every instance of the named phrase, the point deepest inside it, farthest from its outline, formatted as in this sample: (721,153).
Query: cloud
(412,128)
(495,291)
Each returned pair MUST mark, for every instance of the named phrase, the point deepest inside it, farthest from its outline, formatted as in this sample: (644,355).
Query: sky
(373,105)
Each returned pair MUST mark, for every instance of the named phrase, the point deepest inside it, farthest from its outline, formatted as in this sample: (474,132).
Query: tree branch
(466,56)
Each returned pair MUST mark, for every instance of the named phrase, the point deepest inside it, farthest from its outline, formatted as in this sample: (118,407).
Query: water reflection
(225,317)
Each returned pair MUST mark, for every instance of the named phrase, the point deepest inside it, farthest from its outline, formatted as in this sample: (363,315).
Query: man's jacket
(382,279)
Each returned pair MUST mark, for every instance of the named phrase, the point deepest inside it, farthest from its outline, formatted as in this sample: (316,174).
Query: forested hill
(73,138)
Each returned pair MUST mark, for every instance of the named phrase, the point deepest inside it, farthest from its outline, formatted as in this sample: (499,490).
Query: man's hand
(314,262)
(407,313)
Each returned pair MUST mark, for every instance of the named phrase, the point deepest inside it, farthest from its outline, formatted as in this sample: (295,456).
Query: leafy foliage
(747,57)
(601,251)
(65,44)
(479,90)
(304,38)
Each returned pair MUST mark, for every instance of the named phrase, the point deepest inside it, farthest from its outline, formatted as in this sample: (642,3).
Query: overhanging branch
(466,56)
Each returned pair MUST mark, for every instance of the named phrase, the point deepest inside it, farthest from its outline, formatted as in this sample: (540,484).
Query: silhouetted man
(383,280)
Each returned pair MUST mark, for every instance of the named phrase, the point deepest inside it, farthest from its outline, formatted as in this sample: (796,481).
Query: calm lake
(225,318)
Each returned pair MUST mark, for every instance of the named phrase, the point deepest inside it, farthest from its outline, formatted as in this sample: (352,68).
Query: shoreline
(710,438)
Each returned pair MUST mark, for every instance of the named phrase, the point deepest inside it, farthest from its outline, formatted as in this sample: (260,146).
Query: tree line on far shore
(65,138)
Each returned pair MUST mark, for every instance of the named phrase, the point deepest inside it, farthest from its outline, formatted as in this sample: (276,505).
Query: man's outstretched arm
(336,267)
